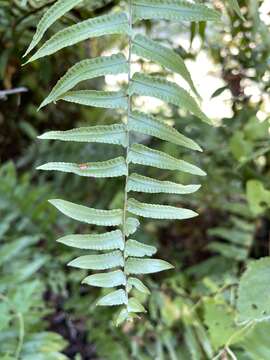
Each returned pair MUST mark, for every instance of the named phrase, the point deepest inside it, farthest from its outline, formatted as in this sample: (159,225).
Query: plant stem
(127,129)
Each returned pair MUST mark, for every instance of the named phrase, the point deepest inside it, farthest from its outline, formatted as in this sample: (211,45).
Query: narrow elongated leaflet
(106,280)
(146,266)
(116,23)
(108,134)
(137,284)
(114,298)
(152,50)
(98,262)
(135,248)
(103,169)
(86,70)
(154,211)
(147,124)
(143,155)
(88,215)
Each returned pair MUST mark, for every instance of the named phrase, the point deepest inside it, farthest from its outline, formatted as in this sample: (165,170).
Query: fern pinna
(126,256)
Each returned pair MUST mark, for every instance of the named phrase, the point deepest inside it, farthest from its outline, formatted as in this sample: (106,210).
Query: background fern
(129,255)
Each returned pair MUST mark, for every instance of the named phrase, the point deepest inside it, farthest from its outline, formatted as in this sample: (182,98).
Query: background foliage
(195,312)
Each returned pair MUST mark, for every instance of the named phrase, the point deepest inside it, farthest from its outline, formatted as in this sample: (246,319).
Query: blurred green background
(45,313)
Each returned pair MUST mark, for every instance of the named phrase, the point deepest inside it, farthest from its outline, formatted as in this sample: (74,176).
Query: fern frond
(167,91)
(86,70)
(112,240)
(175,10)
(117,297)
(88,215)
(140,183)
(103,99)
(147,124)
(146,266)
(56,11)
(106,280)
(151,50)
(154,211)
(102,169)
(137,249)
(143,155)
(99,262)
(103,25)
(107,134)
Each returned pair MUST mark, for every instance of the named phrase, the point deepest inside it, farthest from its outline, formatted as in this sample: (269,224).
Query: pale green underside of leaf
(152,50)
(108,134)
(154,211)
(55,12)
(107,241)
(140,183)
(131,226)
(147,124)
(158,87)
(88,215)
(103,169)
(114,298)
(86,70)
(103,99)
(175,10)
(106,280)
(143,155)
(98,262)
(116,23)
(137,284)
(137,249)
(134,306)
(146,266)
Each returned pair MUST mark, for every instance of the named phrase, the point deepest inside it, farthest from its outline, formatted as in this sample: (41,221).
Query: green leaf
(88,215)
(134,306)
(146,266)
(257,196)
(107,241)
(143,155)
(159,211)
(116,23)
(150,125)
(98,262)
(131,226)
(235,6)
(253,301)
(140,183)
(86,70)
(103,99)
(152,50)
(137,249)
(56,11)
(138,285)
(158,87)
(117,297)
(175,10)
(104,169)
(106,280)
(108,134)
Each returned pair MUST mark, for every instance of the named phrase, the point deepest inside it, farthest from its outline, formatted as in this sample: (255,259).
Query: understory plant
(123,256)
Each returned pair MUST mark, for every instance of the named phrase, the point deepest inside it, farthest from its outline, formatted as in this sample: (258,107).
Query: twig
(5,93)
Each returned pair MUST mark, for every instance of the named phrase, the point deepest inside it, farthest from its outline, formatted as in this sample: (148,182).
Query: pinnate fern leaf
(98,262)
(111,240)
(137,249)
(108,134)
(146,266)
(102,169)
(88,215)
(86,70)
(103,25)
(140,183)
(106,280)
(103,99)
(154,211)
(150,125)
(152,50)
(158,87)
(143,155)
(175,10)
(117,297)
(56,11)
